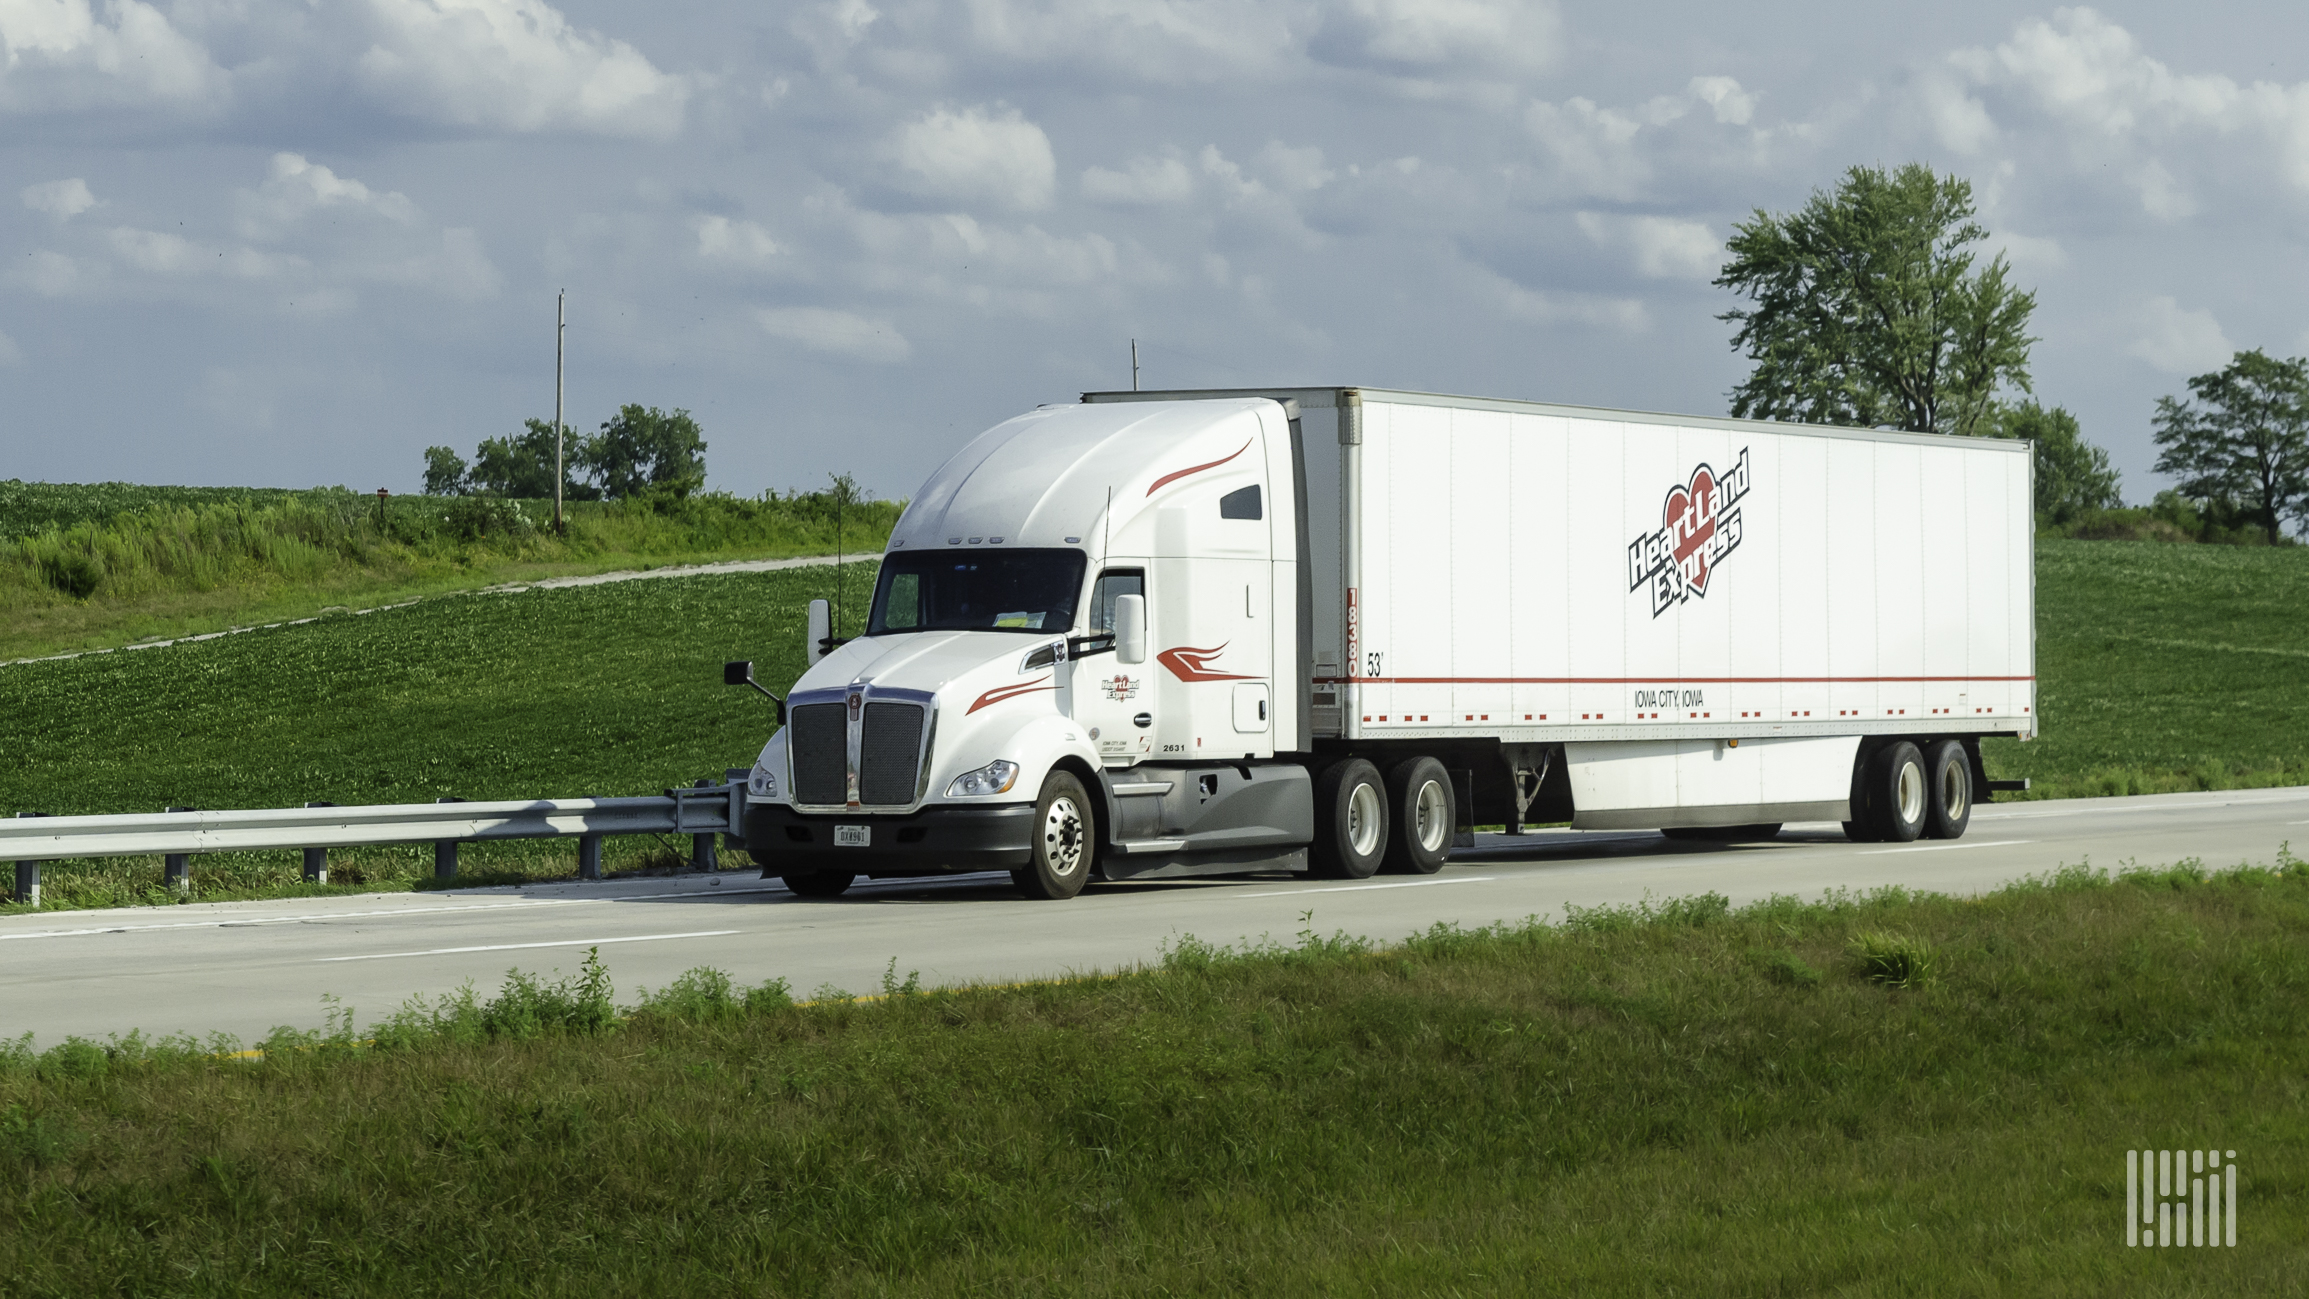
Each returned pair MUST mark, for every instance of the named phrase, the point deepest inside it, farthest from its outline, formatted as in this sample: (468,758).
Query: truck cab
(1078,661)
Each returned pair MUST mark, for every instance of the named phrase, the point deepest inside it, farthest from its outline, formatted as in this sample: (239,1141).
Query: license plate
(851,836)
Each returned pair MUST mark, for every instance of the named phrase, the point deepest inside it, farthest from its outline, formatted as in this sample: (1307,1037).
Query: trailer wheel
(817,884)
(1899,793)
(1350,821)
(1058,861)
(1420,803)
(1949,768)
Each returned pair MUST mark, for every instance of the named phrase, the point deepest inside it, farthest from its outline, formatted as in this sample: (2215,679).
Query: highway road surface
(244,967)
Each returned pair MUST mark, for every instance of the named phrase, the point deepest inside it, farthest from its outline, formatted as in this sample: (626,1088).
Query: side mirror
(821,630)
(742,674)
(1130,628)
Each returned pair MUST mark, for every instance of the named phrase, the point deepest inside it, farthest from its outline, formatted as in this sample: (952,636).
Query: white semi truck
(1329,629)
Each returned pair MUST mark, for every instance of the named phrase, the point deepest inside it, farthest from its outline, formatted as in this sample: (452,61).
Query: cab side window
(1241,504)
(1111,583)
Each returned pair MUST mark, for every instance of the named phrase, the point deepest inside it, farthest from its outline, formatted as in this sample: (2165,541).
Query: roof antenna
(1106,541)
(1134,365)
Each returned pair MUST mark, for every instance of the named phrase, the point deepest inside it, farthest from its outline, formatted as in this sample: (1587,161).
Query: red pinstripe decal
(1167,479)
(1000,693)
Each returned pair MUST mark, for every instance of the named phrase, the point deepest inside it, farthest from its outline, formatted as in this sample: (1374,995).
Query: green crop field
(1889,1095)
(2164,668)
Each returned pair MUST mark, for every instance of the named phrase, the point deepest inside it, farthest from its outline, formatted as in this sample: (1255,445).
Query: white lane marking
(1357,888)
(2091,808)
(522,947)
(233,922)
(1943,847)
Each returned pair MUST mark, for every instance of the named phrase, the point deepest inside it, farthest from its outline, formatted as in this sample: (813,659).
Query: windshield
(1002,590)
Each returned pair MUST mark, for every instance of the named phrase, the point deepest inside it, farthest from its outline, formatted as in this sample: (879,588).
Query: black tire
(818,884)
(1898,793)
(1948,810)
(1350,821)
(1423,815)
(1062,841)
(1724,833)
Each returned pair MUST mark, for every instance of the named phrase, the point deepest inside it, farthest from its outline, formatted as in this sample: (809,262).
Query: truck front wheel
(1419,801)
(817,884)
(1059,857)
(1350,821)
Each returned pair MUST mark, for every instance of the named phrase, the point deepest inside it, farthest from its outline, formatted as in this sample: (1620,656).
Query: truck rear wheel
(1350,821)
(1058,861)
(1898,794)
(1420,804)
(817,884)
(1949,770)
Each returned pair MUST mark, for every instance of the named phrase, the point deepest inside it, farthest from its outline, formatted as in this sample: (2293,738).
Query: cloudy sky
(288,242)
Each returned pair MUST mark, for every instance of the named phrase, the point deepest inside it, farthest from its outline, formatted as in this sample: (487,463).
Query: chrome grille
(821,755)
(889,747)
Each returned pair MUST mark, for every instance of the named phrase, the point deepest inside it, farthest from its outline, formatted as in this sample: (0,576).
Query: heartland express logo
(1698,527)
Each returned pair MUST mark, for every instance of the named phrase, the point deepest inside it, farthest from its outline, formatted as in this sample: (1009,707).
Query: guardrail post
(28,878)
(317,859)
(701,846)
(176,867)
(445,851)
(589,856)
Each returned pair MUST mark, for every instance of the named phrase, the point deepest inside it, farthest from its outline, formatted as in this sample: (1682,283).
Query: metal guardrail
(703,812)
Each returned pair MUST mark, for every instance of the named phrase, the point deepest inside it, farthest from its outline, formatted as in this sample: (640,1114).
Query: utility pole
(559,473)
(1134,365)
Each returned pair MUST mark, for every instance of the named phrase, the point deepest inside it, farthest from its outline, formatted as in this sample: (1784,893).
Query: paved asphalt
(244,967)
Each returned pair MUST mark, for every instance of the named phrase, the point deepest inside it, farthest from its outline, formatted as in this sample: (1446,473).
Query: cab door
(1111,698)
(1211,641)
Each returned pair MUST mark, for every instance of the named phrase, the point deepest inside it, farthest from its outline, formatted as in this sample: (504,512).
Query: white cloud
(1732,105)
(1443,34)
(2180,341)
(743,242)
(1141,40)
(1539,307)
(62,199)
(1148,182)
(1590,144)
(2162,196)
(2092,77)
(1662,247)
(60,56)
(1958,120)
(10,354)
(840,333)
(294,188)
(979,155)
(1299,170)
(515,65)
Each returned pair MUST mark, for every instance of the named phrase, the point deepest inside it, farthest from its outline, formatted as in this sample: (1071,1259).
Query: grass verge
(1675,1099)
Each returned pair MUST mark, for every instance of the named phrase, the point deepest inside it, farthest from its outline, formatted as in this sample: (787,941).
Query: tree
(522,466)
(1868,310)
(444,473)
(643,451)
(2247,444)
(2072,475)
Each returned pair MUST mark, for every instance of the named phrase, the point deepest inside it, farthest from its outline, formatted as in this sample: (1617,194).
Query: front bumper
(932,841)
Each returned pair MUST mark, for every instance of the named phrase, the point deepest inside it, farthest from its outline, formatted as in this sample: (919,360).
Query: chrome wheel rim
(1364,813)
(1955,790)
(1062,837)
(1911,794)
(1431,817)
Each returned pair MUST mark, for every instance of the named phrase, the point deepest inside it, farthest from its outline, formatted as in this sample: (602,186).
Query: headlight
(993,778)
(763,784)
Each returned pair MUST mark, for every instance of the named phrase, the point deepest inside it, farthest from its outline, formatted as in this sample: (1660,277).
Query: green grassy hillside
(1696,1102)
(178,561)
(2165,667)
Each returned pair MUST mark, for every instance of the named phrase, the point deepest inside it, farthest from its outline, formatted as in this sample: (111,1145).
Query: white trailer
(1331,628)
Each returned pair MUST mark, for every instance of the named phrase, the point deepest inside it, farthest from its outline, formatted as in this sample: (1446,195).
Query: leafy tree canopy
(2244,442)
(645,451)
(2073,476)
(1869,311)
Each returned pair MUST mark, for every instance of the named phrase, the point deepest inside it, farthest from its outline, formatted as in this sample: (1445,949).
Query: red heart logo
(1690,518)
